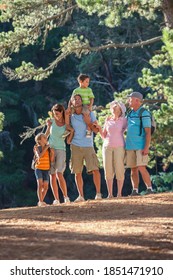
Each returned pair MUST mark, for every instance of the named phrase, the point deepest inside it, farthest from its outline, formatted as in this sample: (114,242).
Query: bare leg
(39,190)
(79,183)
(135,177)
(120,187)
(86,114)
(97,180)
(54,186)
(45,189)
(109,183)
(62,183)
(89,129)
(145,175)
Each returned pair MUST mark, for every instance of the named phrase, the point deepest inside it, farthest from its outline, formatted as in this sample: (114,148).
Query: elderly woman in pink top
(113,146)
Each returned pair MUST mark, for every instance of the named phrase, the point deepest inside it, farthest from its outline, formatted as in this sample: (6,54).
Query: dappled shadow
(127,228)
(41,244)
(88,210)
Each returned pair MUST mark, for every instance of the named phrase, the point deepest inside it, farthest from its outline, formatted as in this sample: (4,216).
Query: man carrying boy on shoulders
(82,148)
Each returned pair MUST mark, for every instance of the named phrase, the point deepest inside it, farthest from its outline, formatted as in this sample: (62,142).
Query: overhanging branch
(103,47)
(78,50)
(126,45)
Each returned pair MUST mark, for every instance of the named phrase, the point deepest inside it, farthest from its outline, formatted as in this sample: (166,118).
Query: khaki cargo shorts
(81,156)
(134,158)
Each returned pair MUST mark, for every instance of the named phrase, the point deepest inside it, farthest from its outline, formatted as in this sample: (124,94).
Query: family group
(75,126)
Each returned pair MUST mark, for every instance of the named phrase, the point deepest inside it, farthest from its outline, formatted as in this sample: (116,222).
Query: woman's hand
(49,122)
(108,118)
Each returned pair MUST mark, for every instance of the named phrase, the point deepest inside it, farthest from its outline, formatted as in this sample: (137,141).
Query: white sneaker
(41,204)
(88,134)
(98,196)
(109,196)
(66,199)
(56,202)
(79,198)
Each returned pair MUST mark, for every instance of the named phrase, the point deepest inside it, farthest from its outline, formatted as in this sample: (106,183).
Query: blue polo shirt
(79,138)
(135,141)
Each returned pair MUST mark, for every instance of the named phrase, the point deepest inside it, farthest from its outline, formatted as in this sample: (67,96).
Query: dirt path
(123,228)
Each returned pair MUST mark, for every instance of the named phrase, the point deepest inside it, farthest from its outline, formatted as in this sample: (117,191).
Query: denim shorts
(42,174)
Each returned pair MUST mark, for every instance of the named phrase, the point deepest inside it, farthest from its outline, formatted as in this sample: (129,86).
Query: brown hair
(82,77)
(77,94)
(59,108)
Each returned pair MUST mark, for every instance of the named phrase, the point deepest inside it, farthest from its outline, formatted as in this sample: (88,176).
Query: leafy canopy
(30,23)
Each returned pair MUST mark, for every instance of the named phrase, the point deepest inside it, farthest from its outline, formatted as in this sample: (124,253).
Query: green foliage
(160,82)
(9,98)
(1,127)
(1,121)
(1,155)
(168,41)
(163,181)
(13,193)
(165,56)
(26,72)
(112,12)
(31,23)
(37,35)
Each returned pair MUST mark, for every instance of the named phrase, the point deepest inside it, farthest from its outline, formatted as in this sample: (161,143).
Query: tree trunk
(167,8)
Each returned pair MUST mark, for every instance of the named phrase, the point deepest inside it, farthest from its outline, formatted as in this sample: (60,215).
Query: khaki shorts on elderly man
(135,158)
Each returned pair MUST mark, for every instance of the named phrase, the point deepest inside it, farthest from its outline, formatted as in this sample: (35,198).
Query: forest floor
(120,228)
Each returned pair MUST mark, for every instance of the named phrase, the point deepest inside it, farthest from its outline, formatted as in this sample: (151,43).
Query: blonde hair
(121,106)
(38,137)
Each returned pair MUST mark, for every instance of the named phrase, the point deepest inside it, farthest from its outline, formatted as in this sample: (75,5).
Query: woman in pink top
(113,146)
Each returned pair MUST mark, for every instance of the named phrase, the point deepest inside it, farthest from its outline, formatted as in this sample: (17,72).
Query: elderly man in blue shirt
(138,142)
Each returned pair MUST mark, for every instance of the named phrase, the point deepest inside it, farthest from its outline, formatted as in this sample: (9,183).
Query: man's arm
(145,151)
